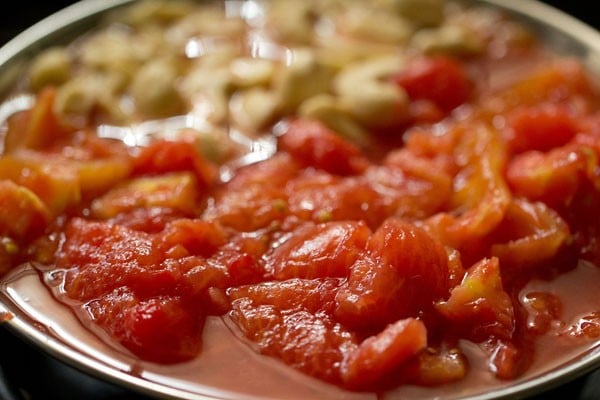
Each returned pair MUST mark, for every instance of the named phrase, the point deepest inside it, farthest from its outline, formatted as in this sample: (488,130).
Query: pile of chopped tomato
(363,272)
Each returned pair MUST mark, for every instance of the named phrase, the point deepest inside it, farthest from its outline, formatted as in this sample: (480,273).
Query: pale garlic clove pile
(244,65)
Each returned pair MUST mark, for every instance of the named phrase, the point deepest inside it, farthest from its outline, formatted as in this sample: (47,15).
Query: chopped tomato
(541,127)
(403,271)
(314,145)
(553,177)
(22,214)
(177,191)
(311,343)
(479,307)
(198,237)
(439,79)
(312,295)
(379,354)
(321,197)
(318,251)
(165,156)
(530,234)
(249,208)
(55,183)
(366,265)
(38,127)
(159,329)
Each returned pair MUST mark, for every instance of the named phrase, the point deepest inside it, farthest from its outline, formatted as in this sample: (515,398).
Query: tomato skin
(314,145)
(439,79)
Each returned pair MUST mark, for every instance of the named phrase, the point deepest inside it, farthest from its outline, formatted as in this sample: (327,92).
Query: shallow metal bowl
(29,310)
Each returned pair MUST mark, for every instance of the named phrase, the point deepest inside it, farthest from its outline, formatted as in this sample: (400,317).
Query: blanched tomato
(318,251)
(540,128)
(441,80)
(403,272)
(159,329)
(314,145)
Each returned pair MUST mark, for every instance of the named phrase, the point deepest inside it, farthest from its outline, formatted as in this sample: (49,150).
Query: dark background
(27,374)
(23,13)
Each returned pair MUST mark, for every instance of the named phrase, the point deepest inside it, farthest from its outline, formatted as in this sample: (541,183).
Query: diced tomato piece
(379,354)
(22,213)
(200,275)
(562,80)
(274,172)
(480,194)
(198,237)
(242,258)
(248,209)
(440,79)
(177,191)
(541,128)
(310,343)
(312,295)
(530,234)
(163,330)
(149,220)
(435,367)
(403,272)
(160,329)
(508,360)
(586,326)
(164,156)
(426,185)
(38,127)
(416,254)
(242,268)
(321,197)
(55,184)
(100,257)
(479,307)
(552,177)
(318,251)
(314,145)
(96,176)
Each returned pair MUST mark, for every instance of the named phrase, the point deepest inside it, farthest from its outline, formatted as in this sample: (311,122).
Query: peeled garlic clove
(253,109)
